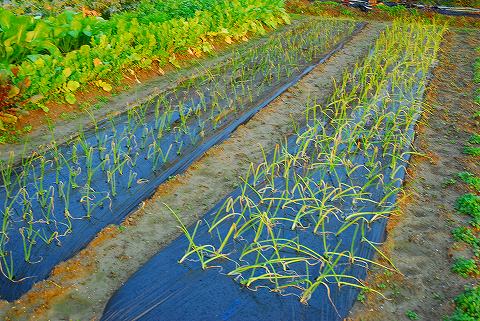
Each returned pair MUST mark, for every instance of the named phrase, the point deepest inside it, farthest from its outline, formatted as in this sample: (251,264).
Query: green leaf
(67,72)
(87,31)
(107,87)
(72,85)
(70,98)
(44,108)
(104,85)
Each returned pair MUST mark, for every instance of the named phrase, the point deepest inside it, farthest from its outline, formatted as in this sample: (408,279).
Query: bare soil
(419,240)
(79,288)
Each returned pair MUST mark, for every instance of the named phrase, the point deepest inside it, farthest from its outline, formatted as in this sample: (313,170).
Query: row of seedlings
(101,175)
(308,220)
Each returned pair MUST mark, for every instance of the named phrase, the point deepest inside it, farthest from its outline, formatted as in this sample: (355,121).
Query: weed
(448,182)
(471,150)
(412,315)
(474,139)
(362,297)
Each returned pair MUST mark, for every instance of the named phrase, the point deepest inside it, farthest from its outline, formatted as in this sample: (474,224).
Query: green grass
(471,151)
(474,139)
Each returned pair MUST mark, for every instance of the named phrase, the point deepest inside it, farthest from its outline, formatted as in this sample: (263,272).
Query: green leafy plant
(474,139)
(469,204)
(465,267)
(470,179)
(62,54)
(464,234)
(395,11)
(467,306)
(412,315)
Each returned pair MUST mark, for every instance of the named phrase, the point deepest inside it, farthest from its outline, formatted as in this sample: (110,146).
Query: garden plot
(56,202)
(305,224)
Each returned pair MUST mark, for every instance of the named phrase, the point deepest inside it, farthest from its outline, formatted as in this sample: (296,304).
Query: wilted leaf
(36,98)
(173,61)
(228,40)
(8,118)
(19,111)
(24,84)
(207,47)
(13,91)
(104,85)
(14,70)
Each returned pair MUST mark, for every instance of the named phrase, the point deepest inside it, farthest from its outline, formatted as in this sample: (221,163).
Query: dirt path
(80,287)
(419,240)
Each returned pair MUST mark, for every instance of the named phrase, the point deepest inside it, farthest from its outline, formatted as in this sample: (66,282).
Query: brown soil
(419,239)
(116,253)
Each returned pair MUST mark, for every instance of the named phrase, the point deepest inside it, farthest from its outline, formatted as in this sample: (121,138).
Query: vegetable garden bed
(56,202)
(257,184)
(52,58)
(306,222)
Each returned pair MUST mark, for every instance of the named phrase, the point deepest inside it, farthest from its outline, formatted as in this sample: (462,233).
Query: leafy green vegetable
(470,179)
(465,267)
(61,54)
(469,204)
(467,306)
